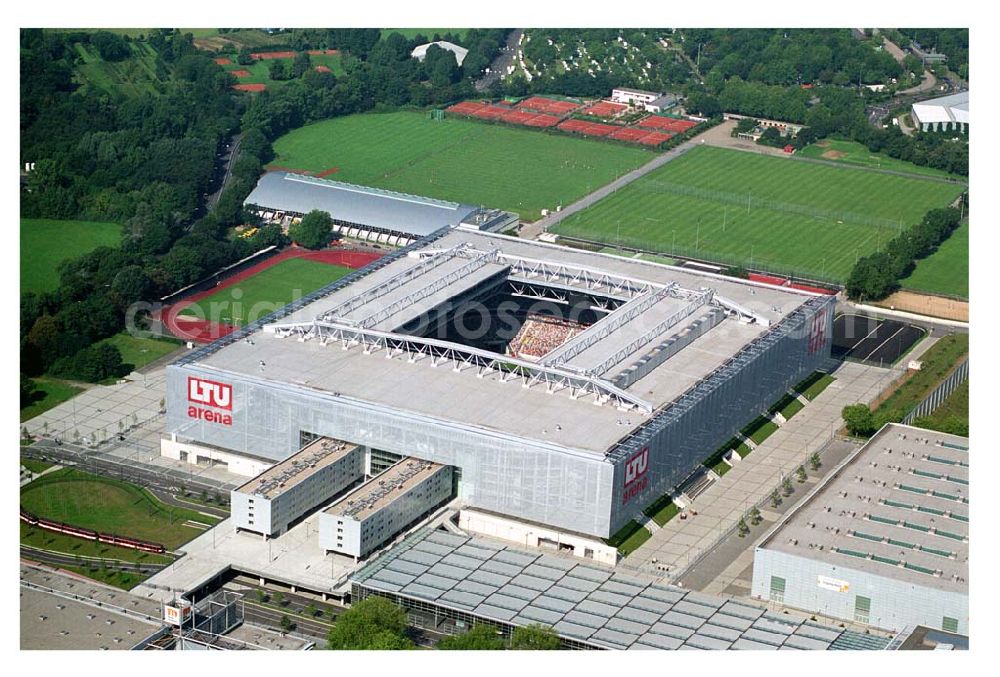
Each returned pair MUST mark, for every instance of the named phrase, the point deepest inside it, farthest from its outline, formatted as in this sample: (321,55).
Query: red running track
(206,331)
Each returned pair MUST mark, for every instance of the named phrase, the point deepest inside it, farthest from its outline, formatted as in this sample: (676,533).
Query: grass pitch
(50,392)
(946,271)
(108,505)
(520,170)
(853,153)
(764,212)
(45,243)
(269,290)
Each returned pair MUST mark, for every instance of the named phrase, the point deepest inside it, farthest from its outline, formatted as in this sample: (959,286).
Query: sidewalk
(681,542)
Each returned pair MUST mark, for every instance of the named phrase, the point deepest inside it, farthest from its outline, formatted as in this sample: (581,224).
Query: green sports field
(141,351)
(946,271)
(45,243)
(520,170)
(266,292)
(853,153)
(103,504)
(770,213)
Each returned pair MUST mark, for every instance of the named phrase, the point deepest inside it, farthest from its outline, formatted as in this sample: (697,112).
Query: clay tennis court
(872,341)
(540,104)
(240,73)
(272,55)
(250,88)
(604,109)
(223,61)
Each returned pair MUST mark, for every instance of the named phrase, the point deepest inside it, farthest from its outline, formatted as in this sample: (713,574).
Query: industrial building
(365,213)
(883,540)
(383,507)
(269,503)
(409,357)
(943,114)
(448,582)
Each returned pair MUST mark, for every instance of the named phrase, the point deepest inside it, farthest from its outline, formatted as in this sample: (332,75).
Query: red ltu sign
(636,480)
(212,394)
(817,335)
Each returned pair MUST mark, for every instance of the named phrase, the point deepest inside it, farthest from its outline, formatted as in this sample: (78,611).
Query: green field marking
(814,220)
(104,504)
(853,153)
(520,170)
(35,466)
(267,291)
(54,392)
(43,539)
(813,385)
(45,243)
(141,351)
(946,271)
(936,364)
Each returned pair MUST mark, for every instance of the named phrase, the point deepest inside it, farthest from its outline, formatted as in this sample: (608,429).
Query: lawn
(135,76)
(70,545)
(662,510)
(45,243)
(761,212)
(104,504)
(35,466)
(951,416)
(936,364)
(260,71)
(629,537)
(813,385)
(520,170)
(760,429)
(141,351)
(267,291)
(946,271)
(853,153)
(52,392)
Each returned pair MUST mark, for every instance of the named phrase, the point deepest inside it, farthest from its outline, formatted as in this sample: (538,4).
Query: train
(91,535)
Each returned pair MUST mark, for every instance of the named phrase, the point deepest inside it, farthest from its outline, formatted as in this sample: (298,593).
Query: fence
(940,394)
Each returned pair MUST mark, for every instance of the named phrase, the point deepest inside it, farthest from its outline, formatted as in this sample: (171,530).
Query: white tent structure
(420,51)
(944,113)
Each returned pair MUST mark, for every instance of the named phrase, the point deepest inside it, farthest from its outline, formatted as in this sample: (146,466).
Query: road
(228,158)
(501,62)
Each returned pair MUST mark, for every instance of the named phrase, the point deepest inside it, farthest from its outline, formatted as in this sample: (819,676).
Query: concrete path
(721,505)
(27,477)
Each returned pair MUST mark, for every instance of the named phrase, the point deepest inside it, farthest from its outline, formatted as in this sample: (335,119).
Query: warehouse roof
(582,600)
(348,203)
(898,508)
(297,468)
(952,108)
(550,416)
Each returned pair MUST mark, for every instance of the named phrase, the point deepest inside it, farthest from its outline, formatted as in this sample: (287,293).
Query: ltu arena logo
(212,394)
(636,480)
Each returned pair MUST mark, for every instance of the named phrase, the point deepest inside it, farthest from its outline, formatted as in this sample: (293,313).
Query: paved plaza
(680,542)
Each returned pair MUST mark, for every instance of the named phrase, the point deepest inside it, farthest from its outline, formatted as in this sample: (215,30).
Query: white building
(384,506)
(661,104)
(420,51)
(634,97)
(268,504)
(943,113)
(882,541)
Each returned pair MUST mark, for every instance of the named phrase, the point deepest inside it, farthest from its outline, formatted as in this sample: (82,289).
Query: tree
(28,390)
(535,637)
(244,58)
(479,637)
(313,231)
(814,461)
(859,419)
(742,528)
(800,474)
(310,609)
(286,623)
(372,624)
(279,598)
(786,486)
(755,516)
(300,64)
(775,498)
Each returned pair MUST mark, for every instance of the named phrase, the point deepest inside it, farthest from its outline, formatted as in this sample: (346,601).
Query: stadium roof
(952,108)
(582,600)
(420,51)
(898,508)
(406,285)
(346,202)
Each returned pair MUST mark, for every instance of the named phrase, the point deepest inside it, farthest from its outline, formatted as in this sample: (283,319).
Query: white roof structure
(420,51)
(953,108)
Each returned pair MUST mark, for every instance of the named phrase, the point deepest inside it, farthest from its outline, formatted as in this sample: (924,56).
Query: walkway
(681,542)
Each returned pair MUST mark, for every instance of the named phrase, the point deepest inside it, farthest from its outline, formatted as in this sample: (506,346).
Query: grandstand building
(943,114)
(410,356)
(365,213)
(883,540)
(269,503)
(383,507)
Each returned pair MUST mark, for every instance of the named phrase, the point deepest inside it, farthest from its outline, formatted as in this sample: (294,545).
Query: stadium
(567,389)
